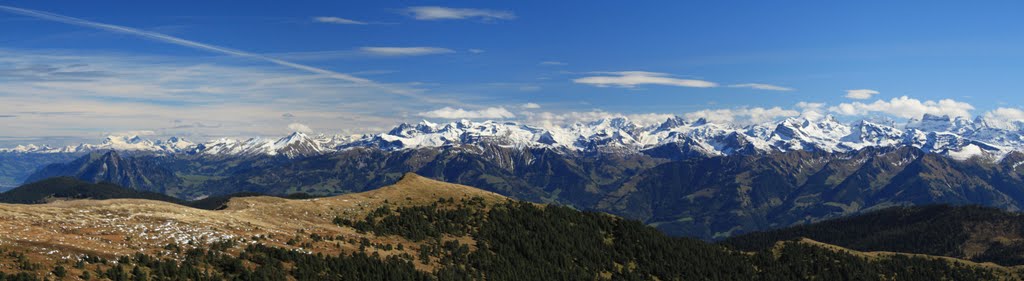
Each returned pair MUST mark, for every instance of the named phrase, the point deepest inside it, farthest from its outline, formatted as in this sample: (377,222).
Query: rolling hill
(416,229)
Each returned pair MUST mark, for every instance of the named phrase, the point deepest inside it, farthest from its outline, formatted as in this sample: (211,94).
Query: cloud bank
(905,107)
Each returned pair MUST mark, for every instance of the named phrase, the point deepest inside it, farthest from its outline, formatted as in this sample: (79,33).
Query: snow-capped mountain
(120,143)
(292,146)
(958,137)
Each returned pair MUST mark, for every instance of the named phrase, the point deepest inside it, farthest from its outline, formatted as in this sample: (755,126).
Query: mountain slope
(718,197)
(15,167)
(708,198)
(967,232)
(378,235)
(141,173)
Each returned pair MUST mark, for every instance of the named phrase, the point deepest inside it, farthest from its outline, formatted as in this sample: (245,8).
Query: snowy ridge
(959,138)
(121,143)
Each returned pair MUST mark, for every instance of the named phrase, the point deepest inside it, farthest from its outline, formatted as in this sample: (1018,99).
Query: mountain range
(685,177)
(957,137)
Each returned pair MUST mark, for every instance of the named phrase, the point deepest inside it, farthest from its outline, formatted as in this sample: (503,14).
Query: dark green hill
(523,241)
(969,232)
(67,188)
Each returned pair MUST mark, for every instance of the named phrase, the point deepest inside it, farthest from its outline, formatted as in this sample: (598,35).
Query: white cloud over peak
(1006,113)
(1005,118)
(810,105)
(630,79)
(299,127)
(905,107)
(860,94)
(405,51)
(446,13)
(459,113)
(759,86)
(552,120)
(337,20)
(743,116)
(553,63)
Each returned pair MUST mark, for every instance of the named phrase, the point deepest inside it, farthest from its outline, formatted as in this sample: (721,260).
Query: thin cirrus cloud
(631,79)
(204,98)
(446,13)
(412,93)
(459,113)
(553,63)
(338,20)
(759,86)
(404,51)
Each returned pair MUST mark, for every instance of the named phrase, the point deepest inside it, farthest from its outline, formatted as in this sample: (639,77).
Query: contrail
(217,49)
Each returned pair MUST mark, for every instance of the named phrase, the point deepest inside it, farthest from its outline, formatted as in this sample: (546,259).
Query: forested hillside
(969,232)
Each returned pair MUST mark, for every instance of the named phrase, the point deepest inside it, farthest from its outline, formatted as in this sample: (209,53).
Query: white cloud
(337,20)
(140,133)
(905,107)
(530,105)
(553,120)
(743,116)
(1006,113)
(860,94)
(459,113)
(648,119)
(630,79)
(811,110)
(476,51)
(405,51)
(553,63)
(1005,118)
(299,127)
(445,13)
(758,86)
(810,105)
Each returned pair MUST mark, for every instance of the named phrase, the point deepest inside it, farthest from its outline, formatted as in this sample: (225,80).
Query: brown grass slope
(66,230)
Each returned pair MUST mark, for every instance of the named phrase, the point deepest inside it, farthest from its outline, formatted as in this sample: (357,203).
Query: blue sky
(210,69)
